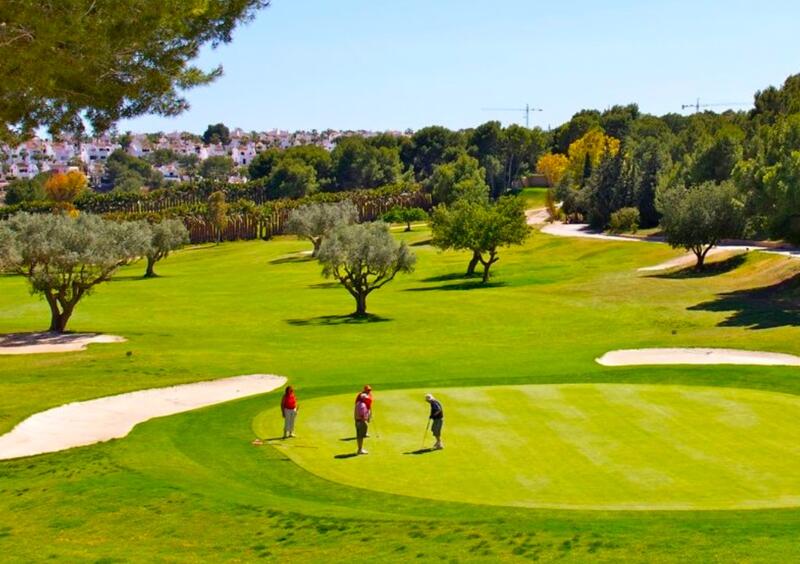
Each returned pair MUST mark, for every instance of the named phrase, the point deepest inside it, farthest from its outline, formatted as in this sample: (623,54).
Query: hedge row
(247,218)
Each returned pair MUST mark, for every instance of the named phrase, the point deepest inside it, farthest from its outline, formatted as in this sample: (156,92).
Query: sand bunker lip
(113,417)
(634,357)
(36,343)
(690,259)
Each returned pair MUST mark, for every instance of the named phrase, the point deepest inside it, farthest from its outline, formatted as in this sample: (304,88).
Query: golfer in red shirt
(289,412)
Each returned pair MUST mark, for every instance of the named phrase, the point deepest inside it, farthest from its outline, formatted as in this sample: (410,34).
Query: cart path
(582,230)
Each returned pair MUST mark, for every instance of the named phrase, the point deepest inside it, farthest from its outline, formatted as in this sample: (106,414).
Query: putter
(427,426)
(374,427)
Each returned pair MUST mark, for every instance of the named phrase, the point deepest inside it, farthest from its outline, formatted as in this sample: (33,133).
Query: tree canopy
(480,228)
(69,61)
(698,218)
(217,133)
(165,236)
(316,221)
(363,258)
(462,178)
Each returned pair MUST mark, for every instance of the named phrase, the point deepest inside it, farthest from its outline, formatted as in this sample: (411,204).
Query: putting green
(574,446)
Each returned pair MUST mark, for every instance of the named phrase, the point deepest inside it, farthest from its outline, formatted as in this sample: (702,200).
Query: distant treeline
(598,162)
(602,162)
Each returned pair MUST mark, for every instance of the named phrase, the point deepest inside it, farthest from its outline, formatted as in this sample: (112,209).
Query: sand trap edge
(72,343)
(689,355)
(114,417)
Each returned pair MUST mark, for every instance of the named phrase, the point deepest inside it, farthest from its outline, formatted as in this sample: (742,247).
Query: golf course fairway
(572,446)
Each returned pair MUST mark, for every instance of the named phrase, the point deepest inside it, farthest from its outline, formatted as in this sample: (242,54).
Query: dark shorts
(436,427)
(361,429)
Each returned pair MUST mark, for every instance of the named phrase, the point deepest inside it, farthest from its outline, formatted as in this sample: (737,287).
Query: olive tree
(363,258)
(64,258)
(315,221)
(699,217)
(480,228)
(165,237)
(399,214)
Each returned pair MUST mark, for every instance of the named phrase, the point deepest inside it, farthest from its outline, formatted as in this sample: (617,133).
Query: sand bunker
(632,357)
(690,259)
(113,417)
(35,343)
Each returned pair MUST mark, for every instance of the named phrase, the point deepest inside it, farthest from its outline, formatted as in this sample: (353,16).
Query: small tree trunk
(487,264)
(473,263)
(701,257)
(361,305)
(317,244)
(408,225)
(150,272)
(58,318)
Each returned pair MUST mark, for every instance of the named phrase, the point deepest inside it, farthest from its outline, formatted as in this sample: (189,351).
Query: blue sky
(379,64)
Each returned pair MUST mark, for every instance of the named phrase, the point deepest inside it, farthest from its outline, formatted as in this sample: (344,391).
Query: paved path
(536,217)
(113,417)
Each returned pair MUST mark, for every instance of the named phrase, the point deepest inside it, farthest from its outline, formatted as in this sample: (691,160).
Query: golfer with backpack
(437,418)
(362,415)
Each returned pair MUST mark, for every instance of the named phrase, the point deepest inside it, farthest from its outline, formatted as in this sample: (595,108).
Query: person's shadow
(420,451)
(348,455)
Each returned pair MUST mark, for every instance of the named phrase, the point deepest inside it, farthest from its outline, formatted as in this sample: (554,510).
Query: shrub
(624,220)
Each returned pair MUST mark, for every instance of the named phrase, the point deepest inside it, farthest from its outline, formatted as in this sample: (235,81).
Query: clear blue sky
(379,64)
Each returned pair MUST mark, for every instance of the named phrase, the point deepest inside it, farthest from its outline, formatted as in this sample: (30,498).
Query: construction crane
(697,105)
(526,110)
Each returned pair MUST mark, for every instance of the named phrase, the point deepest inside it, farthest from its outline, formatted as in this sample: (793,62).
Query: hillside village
(39,155)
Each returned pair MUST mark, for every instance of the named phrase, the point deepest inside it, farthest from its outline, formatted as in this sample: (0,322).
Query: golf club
(427,426)
(374,427)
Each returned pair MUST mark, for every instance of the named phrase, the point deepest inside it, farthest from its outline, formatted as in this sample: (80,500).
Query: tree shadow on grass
(11,340)
(422,243)
(759,308)
(291,259)
(711,269)
(324,285)
(133,277)
(337,320)
(451,276)
(471,285)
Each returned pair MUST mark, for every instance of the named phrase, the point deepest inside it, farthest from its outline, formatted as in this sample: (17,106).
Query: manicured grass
(191,487)
(568,446)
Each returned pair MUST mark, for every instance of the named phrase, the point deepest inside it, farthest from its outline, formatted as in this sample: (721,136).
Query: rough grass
(192,488)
